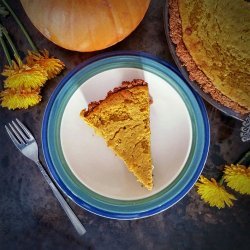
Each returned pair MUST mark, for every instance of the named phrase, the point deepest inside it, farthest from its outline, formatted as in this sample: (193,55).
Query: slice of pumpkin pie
(122,119)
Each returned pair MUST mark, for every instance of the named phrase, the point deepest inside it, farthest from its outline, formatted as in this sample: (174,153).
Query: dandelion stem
(245,160)
(6,34)
(221,180)
(5,50)
(32,45)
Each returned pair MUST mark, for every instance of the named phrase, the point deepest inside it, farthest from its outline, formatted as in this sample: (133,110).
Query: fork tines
(18,133)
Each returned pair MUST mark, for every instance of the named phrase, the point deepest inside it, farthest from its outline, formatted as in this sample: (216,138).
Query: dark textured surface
(31,218)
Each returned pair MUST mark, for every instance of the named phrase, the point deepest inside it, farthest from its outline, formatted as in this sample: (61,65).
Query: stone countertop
(30,216)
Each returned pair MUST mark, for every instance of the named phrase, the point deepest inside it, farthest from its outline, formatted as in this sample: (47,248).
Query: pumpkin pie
(212,39)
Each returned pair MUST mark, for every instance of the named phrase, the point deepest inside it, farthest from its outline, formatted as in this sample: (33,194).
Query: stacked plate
(90,173)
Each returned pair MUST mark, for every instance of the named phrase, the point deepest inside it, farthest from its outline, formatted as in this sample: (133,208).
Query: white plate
(96,166)
(90,173)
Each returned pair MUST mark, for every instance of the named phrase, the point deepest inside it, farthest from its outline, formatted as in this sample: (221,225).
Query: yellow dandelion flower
(51,65)
(214,193)
(19,98)
(237,177)
(21,75)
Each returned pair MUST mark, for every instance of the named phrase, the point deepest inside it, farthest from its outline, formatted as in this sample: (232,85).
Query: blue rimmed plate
(90,173)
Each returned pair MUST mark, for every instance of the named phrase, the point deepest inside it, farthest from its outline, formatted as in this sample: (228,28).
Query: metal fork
(26,143)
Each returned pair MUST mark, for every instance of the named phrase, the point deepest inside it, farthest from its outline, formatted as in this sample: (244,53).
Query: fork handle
(73,218)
